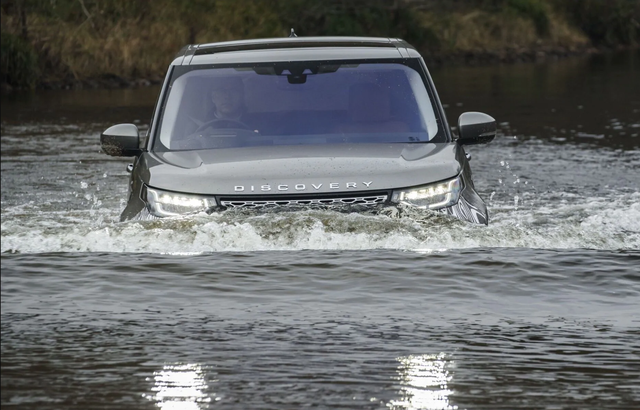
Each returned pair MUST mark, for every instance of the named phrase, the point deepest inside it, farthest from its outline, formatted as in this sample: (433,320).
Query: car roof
(294,49)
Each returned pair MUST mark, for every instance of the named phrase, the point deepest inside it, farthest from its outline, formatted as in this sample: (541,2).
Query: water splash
(595,223)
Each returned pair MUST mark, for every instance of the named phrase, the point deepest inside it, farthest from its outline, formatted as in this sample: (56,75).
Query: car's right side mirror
(476,128)
(122,140)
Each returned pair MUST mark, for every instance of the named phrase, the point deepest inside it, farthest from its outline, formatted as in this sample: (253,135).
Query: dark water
(539,310)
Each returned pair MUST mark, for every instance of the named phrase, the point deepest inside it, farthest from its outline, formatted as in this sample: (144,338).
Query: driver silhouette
(227,117)
(227,96)
(229,109)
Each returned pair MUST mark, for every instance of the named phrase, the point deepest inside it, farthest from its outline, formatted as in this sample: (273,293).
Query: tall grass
(18,62)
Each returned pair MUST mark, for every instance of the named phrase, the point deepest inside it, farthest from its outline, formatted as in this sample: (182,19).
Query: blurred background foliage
(44,41)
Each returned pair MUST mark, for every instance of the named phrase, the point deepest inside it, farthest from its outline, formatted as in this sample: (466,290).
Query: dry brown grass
(134,49)
(479,30)
(127,49)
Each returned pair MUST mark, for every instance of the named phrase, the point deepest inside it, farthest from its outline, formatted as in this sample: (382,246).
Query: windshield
(293,104)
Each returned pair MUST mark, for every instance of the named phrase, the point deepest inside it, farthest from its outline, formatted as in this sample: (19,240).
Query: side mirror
(476,128)
(122,140)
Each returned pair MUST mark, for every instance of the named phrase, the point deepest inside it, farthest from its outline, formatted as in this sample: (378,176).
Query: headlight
(434,196)
(163,203)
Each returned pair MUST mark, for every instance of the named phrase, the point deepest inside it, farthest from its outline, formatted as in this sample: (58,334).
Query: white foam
(596,223)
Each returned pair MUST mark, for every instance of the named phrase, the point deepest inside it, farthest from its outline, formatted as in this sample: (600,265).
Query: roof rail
(297,42)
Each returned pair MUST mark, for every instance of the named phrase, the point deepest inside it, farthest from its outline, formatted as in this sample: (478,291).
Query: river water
(323,310)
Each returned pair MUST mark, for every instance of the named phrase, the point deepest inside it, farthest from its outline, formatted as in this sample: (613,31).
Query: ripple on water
(479,328)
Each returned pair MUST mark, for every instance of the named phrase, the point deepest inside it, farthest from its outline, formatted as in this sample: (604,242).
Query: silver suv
(344,122)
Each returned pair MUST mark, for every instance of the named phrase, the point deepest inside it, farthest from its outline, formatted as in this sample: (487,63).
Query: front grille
(333,201)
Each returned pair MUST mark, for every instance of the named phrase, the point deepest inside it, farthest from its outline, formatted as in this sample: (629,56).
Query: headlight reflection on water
(180,387)
(424,383)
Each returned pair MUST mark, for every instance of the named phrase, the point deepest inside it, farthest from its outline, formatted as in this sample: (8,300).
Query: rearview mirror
(122,140)
(476,128)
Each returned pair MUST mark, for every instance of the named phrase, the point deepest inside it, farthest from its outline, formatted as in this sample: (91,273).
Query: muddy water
(327,310)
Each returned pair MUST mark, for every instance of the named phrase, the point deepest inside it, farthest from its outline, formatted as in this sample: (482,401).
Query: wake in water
(600,223)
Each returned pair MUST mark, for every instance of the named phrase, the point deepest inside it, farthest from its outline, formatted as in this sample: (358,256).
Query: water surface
(327,310)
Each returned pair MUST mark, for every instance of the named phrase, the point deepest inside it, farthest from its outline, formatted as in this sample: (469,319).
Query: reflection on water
(424,380)
(180,387)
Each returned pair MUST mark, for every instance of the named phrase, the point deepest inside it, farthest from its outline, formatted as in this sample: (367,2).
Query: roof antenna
(293,34)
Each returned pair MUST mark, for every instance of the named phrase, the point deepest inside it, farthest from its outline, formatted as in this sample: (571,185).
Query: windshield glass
(295,103)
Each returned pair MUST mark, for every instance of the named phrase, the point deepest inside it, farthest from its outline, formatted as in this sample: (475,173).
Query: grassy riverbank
(116,43)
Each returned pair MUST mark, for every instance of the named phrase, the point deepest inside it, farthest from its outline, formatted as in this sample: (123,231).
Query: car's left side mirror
(122,140)
(476,128)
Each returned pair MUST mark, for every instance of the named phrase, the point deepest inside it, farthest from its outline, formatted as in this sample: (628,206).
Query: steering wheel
(222,123)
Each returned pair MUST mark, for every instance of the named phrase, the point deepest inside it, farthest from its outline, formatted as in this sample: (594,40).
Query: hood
(303,168)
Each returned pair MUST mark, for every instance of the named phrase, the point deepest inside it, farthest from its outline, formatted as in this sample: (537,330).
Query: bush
(354,18)
(607,23)
(534,10)
(18,62)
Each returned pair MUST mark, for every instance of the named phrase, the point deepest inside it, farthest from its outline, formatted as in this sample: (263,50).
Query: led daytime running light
(426,192)
(434,196)
(181,201)
(162,204)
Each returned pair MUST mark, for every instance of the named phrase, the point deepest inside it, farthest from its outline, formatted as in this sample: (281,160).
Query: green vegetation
(608,23)
(536,11)
(18,62)
(93,40)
